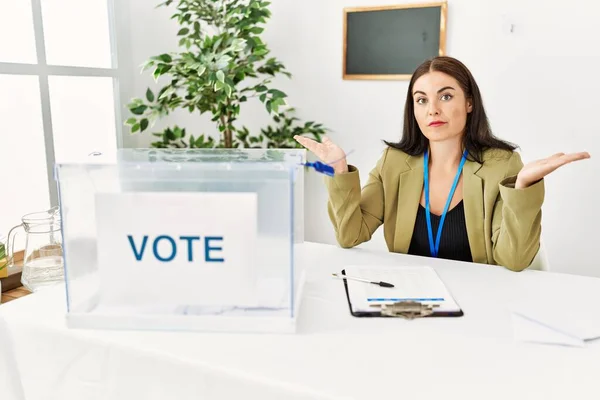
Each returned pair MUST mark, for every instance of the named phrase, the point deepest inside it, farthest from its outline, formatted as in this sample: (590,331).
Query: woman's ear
(469,105)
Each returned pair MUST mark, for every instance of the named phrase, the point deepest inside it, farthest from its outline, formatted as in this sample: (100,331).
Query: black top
(454,243)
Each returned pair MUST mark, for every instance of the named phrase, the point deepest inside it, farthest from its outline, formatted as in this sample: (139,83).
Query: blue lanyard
(435,249)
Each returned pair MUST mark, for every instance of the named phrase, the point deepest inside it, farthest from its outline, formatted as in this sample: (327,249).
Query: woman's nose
(434,108)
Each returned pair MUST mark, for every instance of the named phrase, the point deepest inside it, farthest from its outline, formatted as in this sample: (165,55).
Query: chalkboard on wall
(389,42)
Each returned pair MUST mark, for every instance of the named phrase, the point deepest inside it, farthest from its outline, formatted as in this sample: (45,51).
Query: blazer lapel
(409,196)
(474,211)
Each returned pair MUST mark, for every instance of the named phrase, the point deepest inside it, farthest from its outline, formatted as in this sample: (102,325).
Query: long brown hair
(478,134)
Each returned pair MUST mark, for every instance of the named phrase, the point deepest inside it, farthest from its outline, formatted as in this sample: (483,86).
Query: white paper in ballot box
(172,249)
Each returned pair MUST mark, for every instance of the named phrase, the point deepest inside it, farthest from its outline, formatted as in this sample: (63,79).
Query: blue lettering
(173,248)
(168,255)
(189,240)
(138,255)
(208,248)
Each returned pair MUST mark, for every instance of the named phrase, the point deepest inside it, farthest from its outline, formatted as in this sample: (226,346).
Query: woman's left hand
(536,170)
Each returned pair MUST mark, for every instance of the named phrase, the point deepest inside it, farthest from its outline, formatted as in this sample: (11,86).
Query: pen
(382,284)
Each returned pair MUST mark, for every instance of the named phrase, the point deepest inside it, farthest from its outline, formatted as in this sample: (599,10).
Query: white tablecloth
(333,355)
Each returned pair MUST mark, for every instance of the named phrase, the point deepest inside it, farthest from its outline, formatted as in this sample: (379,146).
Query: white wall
(539,84)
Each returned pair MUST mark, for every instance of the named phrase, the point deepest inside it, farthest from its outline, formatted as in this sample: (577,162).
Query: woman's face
(440,106)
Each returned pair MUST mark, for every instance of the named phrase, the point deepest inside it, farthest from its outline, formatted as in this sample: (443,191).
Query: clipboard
(401,306)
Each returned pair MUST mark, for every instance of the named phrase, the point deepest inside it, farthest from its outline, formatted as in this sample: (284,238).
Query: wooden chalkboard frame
(442,50)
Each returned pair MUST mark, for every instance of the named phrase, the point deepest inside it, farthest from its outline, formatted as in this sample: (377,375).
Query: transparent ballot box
(183,239)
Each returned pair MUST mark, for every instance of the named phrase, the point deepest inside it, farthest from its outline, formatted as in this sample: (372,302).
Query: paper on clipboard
(419,283)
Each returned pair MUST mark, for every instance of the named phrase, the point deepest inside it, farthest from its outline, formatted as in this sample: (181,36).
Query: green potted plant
(222,63)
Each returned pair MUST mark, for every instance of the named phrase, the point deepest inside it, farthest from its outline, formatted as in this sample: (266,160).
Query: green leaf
(154,115)
(136,102)
(183,31)
(260,52)
(165,58)
(157,73)
(223,61)
(175,102)
(261,88)
(149,96)
(139,110)
(201,70)
(217,43)
(218,86)
(168,91)
(277,93)
(276,103)
(263,97)
(221,76)
(197,26)
(131,121)
(135,128)
(240,76)
(257,30)
(147,65)
(228,90)
(169,134)
(143,124)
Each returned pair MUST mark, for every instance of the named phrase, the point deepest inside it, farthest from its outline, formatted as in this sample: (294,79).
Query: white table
(333,356)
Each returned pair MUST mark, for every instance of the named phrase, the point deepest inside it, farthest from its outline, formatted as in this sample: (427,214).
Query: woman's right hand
(327,151)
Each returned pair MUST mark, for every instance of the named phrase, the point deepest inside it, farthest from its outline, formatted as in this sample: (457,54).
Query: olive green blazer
(503,223)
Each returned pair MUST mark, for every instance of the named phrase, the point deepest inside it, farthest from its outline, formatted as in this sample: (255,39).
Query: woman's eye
(446,96)
(421,100)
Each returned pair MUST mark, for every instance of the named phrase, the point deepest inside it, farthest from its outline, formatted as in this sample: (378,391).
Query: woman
(449,188)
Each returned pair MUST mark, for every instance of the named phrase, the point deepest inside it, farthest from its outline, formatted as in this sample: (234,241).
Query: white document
(173,249)
(531,330)
(560,321)
(421,284)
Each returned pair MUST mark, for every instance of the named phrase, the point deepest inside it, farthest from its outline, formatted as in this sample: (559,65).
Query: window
(59,96)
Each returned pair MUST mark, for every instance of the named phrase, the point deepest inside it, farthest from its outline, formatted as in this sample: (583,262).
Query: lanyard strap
(435,248)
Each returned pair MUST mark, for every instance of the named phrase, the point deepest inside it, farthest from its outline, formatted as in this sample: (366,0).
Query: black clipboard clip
(406,309)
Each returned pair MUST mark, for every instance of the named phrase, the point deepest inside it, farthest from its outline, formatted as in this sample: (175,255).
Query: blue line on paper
(405,299)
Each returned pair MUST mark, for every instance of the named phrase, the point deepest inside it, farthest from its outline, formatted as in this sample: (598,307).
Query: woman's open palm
(536,170)
(327,151)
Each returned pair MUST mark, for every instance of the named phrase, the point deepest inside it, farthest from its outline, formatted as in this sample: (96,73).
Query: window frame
(118,20)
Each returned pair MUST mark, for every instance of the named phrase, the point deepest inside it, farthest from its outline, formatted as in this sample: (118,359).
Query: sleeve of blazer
(356,213)
(516,223)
